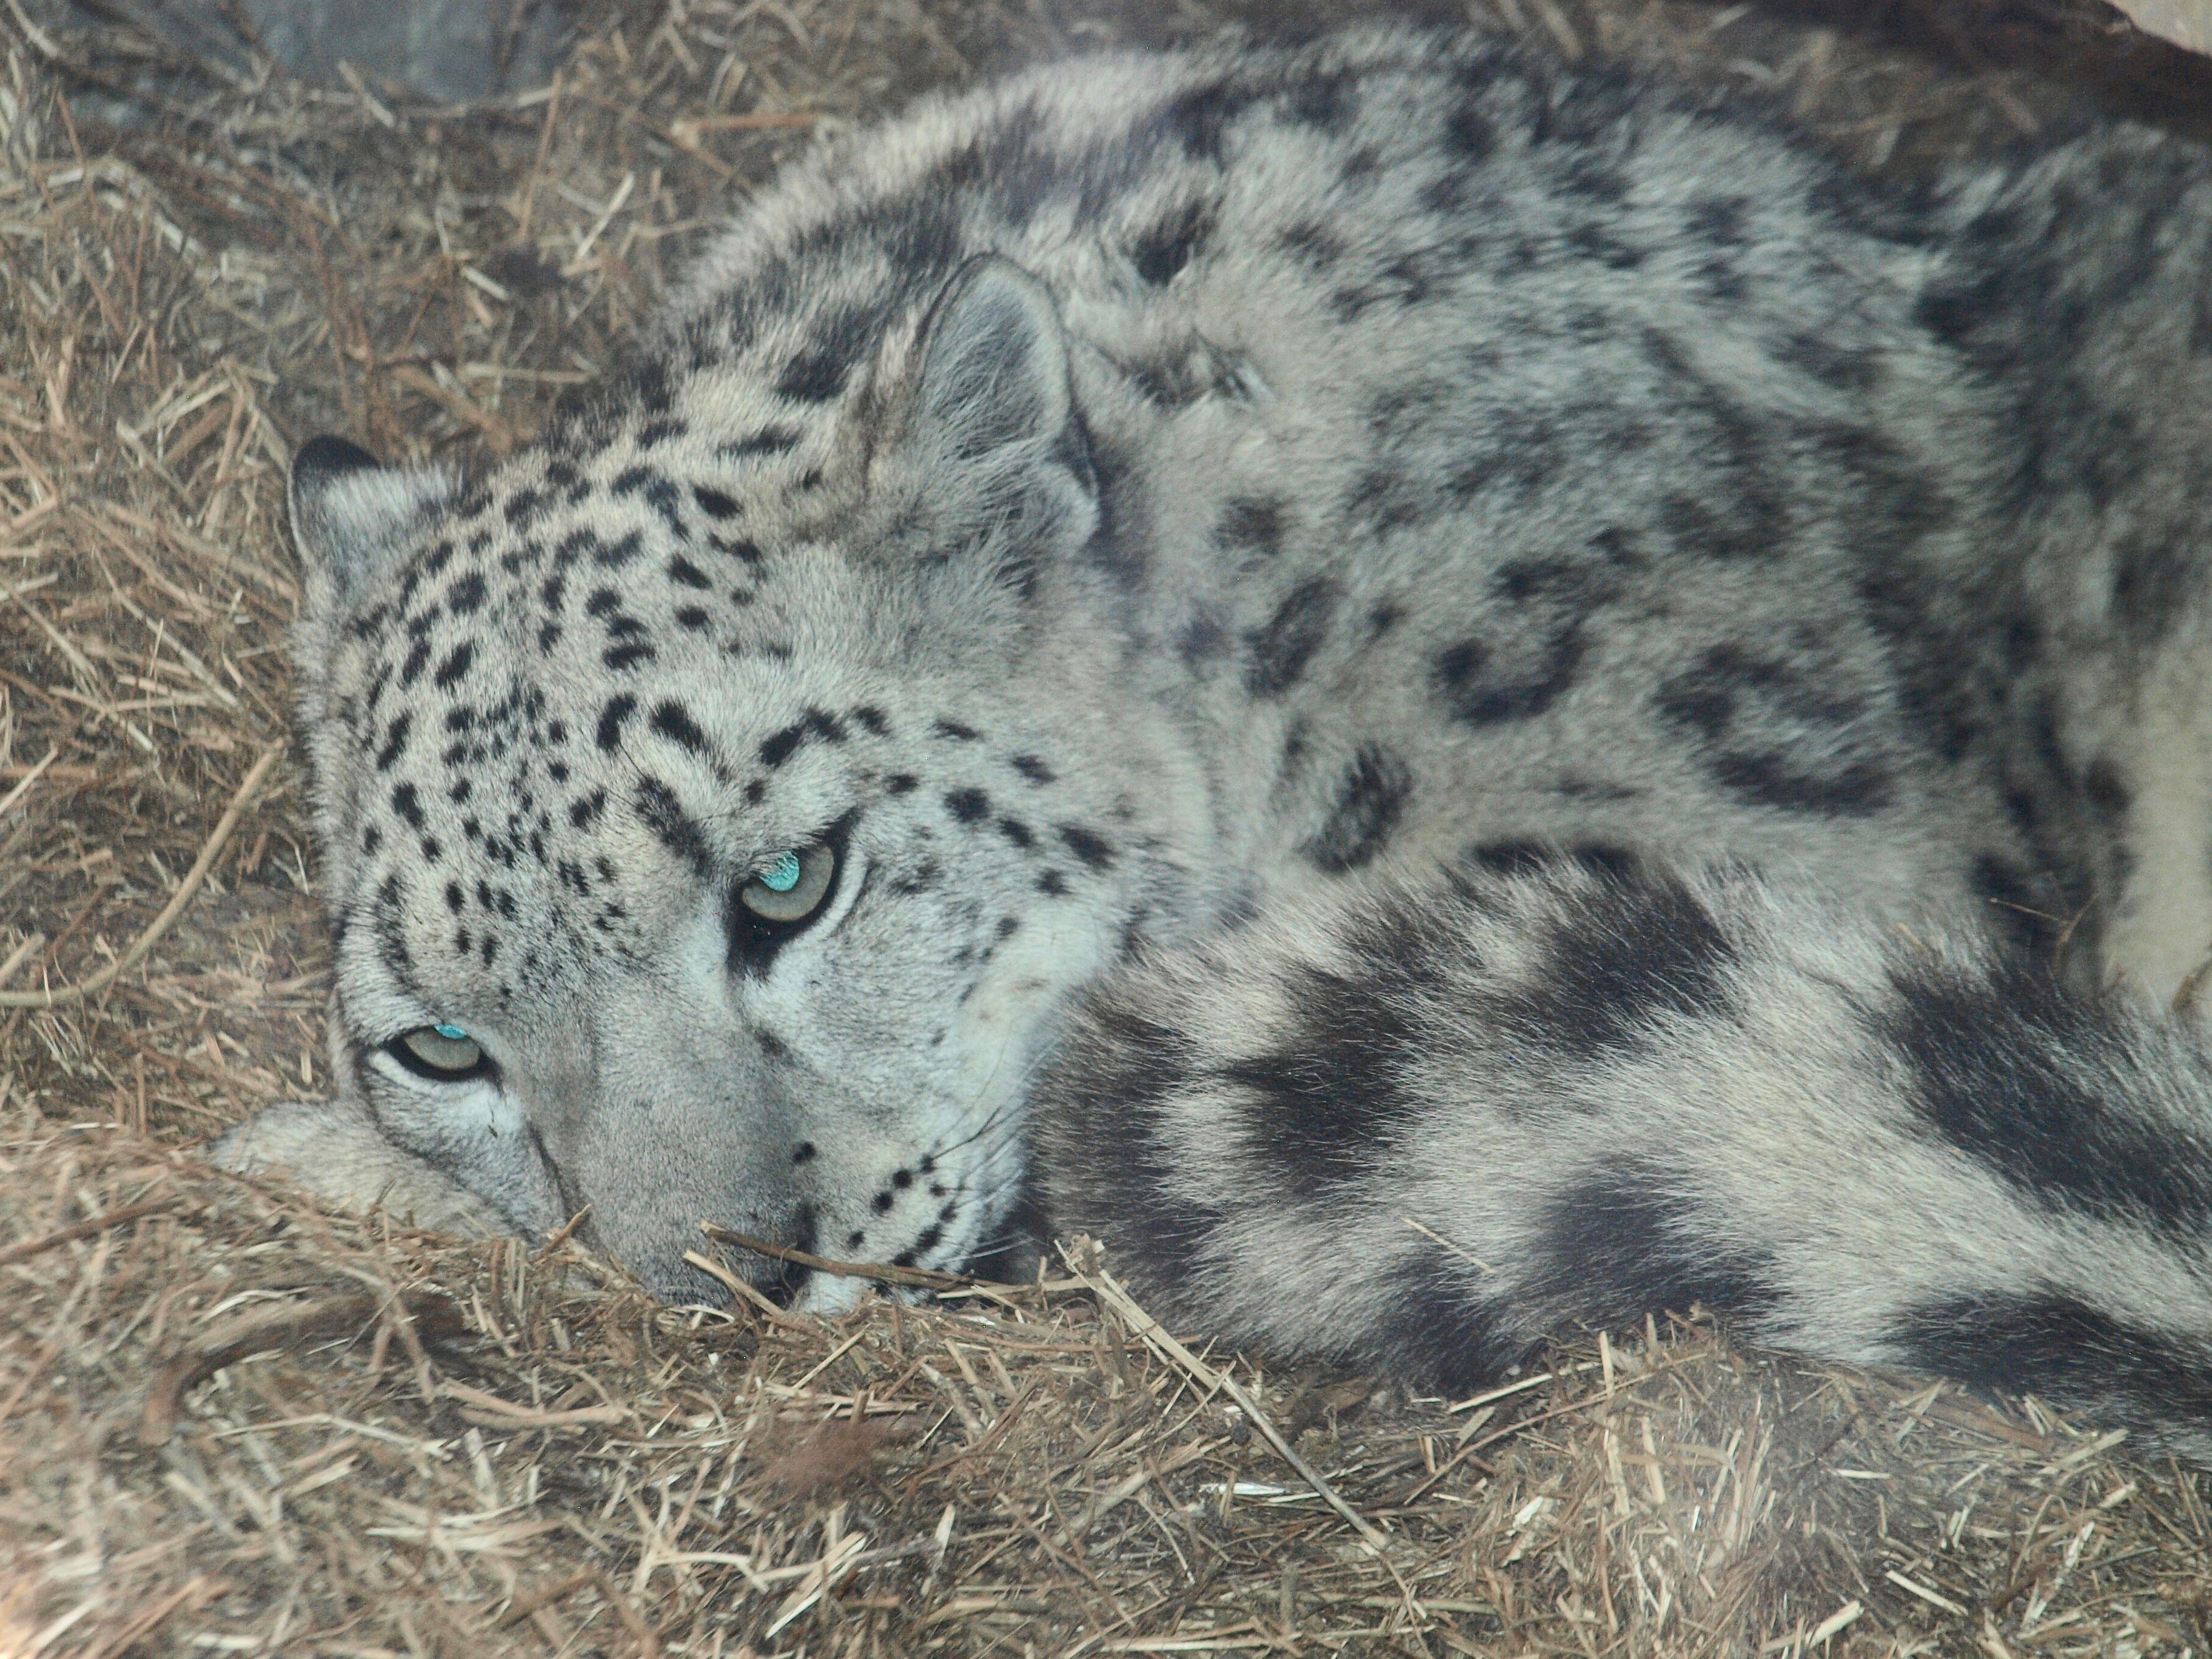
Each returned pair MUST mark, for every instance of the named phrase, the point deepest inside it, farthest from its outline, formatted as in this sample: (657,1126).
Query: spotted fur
(1379,632)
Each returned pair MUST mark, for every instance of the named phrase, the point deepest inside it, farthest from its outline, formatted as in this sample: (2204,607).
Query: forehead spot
(618,710)
(770,441)
(816,723)
(673,721)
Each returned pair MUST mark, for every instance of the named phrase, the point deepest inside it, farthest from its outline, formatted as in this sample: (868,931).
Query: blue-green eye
(792,888)
(443,1053)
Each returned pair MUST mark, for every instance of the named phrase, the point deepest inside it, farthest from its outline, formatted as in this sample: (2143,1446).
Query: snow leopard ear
(994,362)
(349,516)
(992,425)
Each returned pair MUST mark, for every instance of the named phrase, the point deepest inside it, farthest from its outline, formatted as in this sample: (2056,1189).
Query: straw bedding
(232,1424)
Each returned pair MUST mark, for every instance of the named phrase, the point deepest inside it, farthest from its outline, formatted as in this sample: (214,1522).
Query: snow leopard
(1442,696)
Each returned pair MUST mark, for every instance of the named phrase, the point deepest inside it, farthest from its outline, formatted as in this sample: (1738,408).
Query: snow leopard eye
(792,888)
(442,1052)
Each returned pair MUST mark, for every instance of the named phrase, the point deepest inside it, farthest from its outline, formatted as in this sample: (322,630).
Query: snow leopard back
(1493,457)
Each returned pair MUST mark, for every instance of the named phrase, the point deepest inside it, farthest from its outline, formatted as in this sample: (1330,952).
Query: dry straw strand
(217,839)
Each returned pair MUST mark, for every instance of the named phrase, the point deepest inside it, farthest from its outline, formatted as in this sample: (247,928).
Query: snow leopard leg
(1426,1128)
(335,1150)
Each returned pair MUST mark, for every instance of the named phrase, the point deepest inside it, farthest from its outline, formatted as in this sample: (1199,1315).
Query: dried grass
(231,1423)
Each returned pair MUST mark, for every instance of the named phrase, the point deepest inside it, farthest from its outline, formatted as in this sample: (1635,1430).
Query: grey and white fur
(1370,632)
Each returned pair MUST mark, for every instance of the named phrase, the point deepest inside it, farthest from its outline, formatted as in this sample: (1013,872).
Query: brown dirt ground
(230,1424)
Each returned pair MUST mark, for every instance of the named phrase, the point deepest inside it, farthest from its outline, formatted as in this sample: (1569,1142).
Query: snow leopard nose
(779,1279)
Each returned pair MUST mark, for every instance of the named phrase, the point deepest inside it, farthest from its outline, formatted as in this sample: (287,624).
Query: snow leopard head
(718,802)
